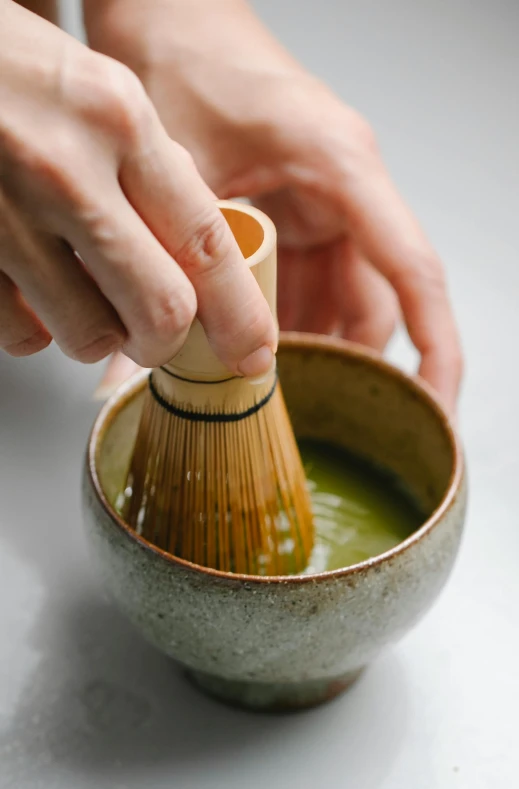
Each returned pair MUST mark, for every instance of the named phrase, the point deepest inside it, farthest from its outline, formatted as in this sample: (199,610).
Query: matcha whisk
(216,477)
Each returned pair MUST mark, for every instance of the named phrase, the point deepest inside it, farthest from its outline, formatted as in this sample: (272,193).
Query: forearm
(210,67)
(221,29)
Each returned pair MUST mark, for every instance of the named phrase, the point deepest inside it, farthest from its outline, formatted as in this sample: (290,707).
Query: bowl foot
(273,697)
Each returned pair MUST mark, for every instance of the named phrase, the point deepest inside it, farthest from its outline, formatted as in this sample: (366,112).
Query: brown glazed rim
(331,346)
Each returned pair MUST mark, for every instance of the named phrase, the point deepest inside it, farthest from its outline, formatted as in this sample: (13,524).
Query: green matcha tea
(360,510)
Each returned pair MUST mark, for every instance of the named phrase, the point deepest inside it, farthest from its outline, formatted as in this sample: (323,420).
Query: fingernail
(260,379)
(258,364)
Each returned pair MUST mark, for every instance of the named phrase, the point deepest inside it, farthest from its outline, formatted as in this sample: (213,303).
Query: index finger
(391,238)
(165,188)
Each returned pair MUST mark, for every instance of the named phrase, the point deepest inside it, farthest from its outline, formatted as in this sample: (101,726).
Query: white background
(83,702)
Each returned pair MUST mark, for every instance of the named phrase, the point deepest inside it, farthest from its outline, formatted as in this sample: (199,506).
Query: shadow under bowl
(293,641)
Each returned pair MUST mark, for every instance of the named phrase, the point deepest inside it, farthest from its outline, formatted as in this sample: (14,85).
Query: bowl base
(273,696)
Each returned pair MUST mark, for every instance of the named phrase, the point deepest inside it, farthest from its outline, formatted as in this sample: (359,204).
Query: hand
(352,256)
(109,238)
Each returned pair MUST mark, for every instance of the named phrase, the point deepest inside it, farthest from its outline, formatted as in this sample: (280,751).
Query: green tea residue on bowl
(360,510)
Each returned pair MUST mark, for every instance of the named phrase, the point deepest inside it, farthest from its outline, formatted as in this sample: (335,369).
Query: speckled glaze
(291,642)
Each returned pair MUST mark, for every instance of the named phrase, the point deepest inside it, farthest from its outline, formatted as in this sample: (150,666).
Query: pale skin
(353,258)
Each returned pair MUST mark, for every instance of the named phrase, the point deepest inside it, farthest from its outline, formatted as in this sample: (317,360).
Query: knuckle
(347,146)
(352,147)
(163,329)
(99,225)
(173,314)
(207,247)
(35,343)
(130,106)
(114,98)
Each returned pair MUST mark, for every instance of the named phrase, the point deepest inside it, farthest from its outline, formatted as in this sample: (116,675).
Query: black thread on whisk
(198,381)
(199,416)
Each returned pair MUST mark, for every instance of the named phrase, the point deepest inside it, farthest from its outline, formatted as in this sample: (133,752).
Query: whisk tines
(222,490)
(216,477)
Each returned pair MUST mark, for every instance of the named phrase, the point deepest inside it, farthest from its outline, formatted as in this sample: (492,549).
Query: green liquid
(359,510)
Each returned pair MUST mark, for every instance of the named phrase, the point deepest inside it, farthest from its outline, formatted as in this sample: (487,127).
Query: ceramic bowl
(290,642)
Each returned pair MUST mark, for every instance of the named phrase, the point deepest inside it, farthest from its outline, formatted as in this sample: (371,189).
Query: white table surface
(84,703)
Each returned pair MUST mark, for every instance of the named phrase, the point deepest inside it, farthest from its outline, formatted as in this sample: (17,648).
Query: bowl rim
(328,345)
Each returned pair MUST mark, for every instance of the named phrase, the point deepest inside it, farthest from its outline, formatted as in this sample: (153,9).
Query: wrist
(216,75)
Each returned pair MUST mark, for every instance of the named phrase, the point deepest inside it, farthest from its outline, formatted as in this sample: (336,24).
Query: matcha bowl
(295,641)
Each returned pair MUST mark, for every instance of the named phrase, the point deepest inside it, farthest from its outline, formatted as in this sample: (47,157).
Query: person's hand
(352,256)
(109,238)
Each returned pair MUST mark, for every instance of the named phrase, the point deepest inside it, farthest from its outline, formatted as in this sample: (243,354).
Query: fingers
(311,291)
(389,236)
(85,128)
(289,288)
(133,294)
(21,333)
(118,370)
(323,289)
(56,286)
(153,297)
(365,301)
(169,194)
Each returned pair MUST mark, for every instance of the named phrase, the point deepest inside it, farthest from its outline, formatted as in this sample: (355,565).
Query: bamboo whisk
(216,477)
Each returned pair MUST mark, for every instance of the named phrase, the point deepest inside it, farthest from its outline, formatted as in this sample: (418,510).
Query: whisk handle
(256,236)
